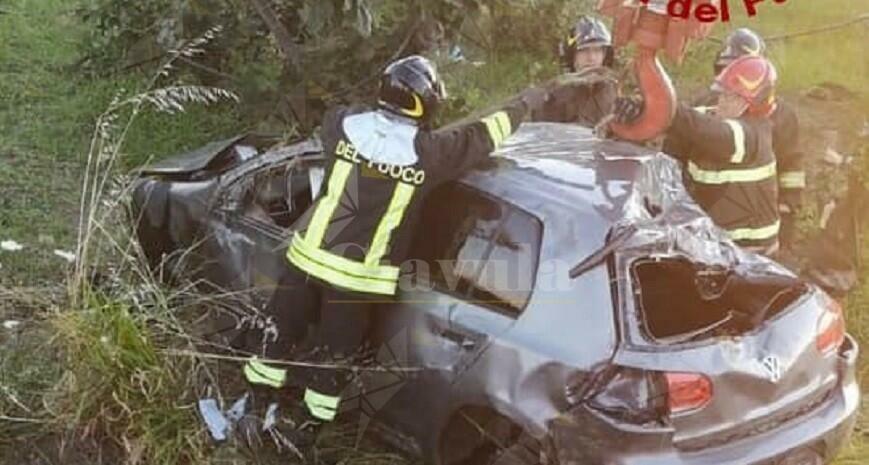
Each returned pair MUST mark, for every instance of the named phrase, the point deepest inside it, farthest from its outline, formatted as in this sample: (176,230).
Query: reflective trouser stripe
(321,406)
(499,127)
(728,176)
(792,179)
(259,373)
(341,271)
(755,234)
(738,141)
(394,214)
(326,207)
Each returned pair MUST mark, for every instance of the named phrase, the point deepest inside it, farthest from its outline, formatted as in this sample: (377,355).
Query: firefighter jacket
(380,169)
(583,105)
(789,157)
(730,170)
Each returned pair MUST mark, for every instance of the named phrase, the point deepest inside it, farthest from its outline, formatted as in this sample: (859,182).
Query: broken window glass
(479,248)
(280,194)
(709,301)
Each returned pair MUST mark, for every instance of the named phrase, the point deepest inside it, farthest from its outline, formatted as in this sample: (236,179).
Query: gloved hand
(534,98)
(628,109)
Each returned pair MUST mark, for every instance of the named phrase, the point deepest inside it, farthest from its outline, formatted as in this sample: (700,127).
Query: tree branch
(289,49)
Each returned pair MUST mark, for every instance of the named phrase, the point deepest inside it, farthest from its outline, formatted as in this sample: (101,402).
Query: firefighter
(729,165)
(382,164)
(785,133)
(586,50)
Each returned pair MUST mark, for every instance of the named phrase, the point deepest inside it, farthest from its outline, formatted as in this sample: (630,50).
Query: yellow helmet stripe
(417,110)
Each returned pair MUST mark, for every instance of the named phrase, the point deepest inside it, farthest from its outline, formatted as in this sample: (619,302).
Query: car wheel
(480,436)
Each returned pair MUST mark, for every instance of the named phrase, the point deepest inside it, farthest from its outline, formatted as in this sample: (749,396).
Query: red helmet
(753,78)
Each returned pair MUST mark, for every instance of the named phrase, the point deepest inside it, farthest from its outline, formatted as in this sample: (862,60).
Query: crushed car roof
(606,186)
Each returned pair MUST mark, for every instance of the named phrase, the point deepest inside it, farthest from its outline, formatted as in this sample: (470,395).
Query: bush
(118,387)
(344,44)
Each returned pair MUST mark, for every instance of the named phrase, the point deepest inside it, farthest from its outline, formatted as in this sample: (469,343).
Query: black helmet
(410,87)
(587,32)
(741,42)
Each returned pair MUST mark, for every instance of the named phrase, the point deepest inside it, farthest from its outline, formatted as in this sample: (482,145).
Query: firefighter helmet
(741,42)
(411,87)
(753,78)
(587,32)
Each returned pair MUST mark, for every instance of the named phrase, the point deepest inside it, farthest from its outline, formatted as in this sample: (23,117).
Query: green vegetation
(837,56)
(96,373)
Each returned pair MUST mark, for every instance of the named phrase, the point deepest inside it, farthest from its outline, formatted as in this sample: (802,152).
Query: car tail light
(687,391)
(627,394)
(831,328)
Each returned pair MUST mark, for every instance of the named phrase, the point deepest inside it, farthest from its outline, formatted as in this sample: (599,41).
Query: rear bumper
(589,438)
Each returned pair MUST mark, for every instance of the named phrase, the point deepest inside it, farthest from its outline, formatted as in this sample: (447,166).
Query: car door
(461,290)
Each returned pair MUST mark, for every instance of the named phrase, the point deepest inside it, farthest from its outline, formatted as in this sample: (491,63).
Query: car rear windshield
(682,300)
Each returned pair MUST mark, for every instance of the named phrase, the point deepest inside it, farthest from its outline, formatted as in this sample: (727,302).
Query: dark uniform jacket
(730,170)
(786,146)
(583,105)
(358,231)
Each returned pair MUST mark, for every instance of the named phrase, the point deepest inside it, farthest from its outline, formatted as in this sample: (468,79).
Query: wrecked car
(566,303)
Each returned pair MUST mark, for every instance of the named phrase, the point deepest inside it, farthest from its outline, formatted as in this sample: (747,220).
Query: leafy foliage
(343,44)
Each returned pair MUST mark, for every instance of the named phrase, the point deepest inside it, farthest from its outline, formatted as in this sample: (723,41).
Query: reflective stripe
(704,110)
(323,400)
(321,413)
(755,234)
(727,176)
(306,253)
(259,373)
(394,214)
(326,207)
(738,141)
(342,272)
(499,127)
(320,405)
(792,179)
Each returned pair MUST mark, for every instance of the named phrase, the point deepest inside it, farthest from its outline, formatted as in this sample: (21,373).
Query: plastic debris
(68,256)
(827,213)
(11,324)
(456,54)
(217,424)
(271,417)
(10,246)
(832,157)
(236,412)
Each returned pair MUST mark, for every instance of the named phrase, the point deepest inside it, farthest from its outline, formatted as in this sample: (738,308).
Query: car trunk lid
(760,376)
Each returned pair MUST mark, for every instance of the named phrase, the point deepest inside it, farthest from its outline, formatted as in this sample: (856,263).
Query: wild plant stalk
(129,321)
(107,142)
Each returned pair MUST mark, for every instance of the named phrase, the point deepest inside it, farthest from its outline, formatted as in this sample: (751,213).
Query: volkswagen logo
(772,366)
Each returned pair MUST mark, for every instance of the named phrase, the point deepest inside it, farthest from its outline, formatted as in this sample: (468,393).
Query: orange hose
(659,97)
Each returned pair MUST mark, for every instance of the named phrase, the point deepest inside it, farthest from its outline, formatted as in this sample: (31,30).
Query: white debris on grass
(217,424)
(11,324)
(68,256)
(10,246)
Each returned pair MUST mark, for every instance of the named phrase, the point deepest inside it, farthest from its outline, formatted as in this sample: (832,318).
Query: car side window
(507,277)
(479,248)
(454,236)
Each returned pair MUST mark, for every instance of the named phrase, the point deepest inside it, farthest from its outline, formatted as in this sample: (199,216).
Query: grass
(119,384)
(96,375)
(47,112)
(838,56)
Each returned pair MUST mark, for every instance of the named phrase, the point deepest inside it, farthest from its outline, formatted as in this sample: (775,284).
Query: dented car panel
(575,362)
